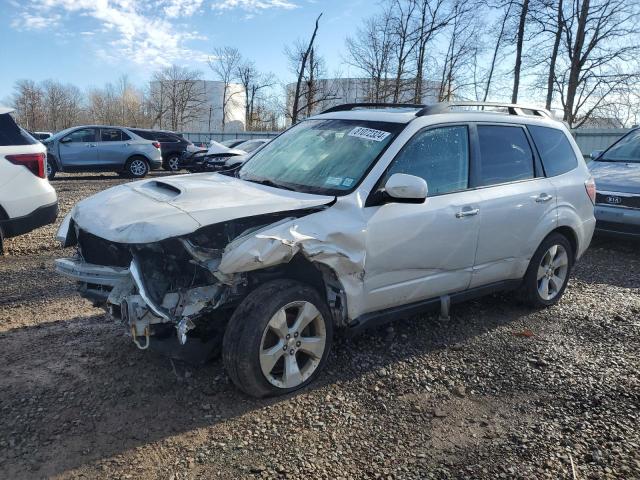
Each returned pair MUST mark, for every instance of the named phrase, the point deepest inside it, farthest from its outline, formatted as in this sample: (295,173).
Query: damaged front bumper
(126,295)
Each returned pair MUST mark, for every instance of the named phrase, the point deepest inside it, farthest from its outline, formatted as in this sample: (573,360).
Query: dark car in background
(210,159)
(617,175)
(172,146)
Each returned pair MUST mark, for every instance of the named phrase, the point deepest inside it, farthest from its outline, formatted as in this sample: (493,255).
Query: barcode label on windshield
(369,134)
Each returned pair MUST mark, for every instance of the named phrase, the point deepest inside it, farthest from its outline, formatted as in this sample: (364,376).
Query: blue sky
(91,42)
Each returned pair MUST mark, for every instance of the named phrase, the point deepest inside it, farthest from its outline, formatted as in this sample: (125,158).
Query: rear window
(11,134)
(555,150)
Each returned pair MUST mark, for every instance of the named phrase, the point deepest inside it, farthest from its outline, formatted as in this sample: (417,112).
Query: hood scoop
(159,190)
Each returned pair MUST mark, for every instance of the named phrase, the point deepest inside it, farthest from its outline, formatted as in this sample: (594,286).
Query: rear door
(78,150)
(517,204)
(113,148)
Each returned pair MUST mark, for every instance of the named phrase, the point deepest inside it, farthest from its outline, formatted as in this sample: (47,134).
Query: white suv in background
(27,200)
(351,218)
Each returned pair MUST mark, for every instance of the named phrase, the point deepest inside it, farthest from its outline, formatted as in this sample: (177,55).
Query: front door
(517,205)
(420,251)
(79,150)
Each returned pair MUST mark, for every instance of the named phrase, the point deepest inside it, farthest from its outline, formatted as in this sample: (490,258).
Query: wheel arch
(322,278)
(571,235)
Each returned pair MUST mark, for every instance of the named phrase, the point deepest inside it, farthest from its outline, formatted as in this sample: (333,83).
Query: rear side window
(11,134)
(506,155)
(113,135)
(555,150)
(438,155)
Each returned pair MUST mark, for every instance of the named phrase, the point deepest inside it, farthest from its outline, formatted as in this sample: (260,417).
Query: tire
(250,335)
(50,169)
(136,167)
(550,269)
(172,163)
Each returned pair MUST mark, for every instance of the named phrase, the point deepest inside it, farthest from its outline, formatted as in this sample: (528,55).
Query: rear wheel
(548,273)
(136,167)
(173,163)
(278,339)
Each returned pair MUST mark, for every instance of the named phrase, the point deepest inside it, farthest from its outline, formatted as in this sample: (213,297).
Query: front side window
(328,157)
(555,151)
(626,150)
(438,155)
(506,155)
(84,135)
(113,135)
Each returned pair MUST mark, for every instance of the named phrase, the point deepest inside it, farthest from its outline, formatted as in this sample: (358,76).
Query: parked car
(41,135)
(209,160)
(617,174)
(252,145)
(172,146)
(233,142)
(27,200)
(349,219)
(98,148)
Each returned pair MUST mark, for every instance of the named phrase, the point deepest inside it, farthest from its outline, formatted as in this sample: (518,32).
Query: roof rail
(352,106)
(512,108)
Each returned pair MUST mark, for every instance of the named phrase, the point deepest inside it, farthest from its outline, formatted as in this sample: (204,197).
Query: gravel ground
(498,391)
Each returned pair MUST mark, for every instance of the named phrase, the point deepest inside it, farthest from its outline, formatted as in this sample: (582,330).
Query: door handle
(467,212)
(91,145)
(127,144)
(543,198)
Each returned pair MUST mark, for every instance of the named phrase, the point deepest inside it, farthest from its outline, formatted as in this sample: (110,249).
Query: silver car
(98,148)
(617,174)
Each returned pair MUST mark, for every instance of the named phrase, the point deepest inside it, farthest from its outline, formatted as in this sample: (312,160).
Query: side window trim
(95,134)
(471,159)
(475,173)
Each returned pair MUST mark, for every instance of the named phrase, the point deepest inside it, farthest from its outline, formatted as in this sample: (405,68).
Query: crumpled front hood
(157,209)
(620,177)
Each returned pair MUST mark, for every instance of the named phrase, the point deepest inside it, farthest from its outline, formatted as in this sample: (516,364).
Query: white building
(204,111)
(335,91)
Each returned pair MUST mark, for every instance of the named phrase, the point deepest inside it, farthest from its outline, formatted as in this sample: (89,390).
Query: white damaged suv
(354,217)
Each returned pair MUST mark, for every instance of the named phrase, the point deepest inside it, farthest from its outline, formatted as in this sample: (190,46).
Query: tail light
(33,161)
(156,144)
(590,186)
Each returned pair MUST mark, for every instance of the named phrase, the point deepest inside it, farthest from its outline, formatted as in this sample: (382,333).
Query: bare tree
(28,101)
(301,59)
(519,44)
(177,97)
(225,64)
(600,37)
(507,6)
(254,83)
(371,51)
(432,18)
(404,41)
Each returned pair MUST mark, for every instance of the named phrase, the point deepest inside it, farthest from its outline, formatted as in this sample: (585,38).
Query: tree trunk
(518,65)
(303,64)
(576,64)
(554,57)
(495,51)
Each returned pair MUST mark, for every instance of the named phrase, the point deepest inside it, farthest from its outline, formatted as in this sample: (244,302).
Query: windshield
(328,157)
(626,150)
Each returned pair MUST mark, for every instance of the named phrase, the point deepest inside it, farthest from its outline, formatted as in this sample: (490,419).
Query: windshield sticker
(347,182)
(369,134)
(333,181)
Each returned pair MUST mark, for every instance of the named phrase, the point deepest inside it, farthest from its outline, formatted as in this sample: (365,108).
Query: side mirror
(595,154)
(406,188)
(65,140)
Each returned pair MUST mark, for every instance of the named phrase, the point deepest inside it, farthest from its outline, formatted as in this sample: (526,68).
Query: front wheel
(278,339)
(172,164)
(50,169)
(548,273)
(136,167)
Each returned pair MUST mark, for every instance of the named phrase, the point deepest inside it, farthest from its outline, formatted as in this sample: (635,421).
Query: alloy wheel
(138,167)
(552,272)
(293,344)
(49,169)
(173,164)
